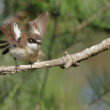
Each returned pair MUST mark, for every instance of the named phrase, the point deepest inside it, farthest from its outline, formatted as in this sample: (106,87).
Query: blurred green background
(73,26)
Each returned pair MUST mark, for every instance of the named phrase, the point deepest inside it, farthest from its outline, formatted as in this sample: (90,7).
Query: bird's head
(33,43)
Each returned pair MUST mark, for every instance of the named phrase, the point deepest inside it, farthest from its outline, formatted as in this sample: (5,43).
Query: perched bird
(25,46)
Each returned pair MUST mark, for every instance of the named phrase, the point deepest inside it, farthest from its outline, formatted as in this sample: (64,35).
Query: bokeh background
(73,26)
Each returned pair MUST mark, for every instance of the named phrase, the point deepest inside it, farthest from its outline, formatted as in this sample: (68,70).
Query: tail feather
(4,46)
(5,51)
(3,41)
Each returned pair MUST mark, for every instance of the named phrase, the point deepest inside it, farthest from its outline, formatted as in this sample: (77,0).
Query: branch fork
(69,60)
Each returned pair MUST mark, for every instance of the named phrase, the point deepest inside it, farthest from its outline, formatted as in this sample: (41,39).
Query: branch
(86,22)
(92,18)
(67,60)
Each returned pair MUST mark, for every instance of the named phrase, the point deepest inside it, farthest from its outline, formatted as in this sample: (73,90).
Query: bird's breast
(24,54)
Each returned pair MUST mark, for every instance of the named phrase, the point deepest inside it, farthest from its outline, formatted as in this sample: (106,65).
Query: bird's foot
(16,67)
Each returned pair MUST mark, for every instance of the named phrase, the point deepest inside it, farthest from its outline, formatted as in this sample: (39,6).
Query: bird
(24,45)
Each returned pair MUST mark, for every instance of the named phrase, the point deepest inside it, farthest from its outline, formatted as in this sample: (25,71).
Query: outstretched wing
(39,25)
(12,32)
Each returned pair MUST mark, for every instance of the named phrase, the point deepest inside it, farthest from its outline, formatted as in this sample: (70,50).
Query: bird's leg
(30,64)
(16,64)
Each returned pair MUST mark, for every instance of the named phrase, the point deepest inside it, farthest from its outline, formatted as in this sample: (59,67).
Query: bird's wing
(39,25)
(13,33)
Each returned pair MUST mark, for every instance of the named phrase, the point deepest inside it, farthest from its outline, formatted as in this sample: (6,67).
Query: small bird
(22,45)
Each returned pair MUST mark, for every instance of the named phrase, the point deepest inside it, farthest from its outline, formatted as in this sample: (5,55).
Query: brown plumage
(24,45)
(7,29)
(3,46)
(40,23)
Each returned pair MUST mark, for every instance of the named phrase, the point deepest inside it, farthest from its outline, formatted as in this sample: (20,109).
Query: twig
(67,60)
(86,22)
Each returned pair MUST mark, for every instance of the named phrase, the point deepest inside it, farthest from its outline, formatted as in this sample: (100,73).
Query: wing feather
(9,31)
(39,25)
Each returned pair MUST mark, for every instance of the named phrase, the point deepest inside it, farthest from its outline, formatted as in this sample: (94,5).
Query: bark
(66,61)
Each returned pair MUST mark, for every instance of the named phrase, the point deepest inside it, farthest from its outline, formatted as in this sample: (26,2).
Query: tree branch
(92,18)
(86,22)
(67,60)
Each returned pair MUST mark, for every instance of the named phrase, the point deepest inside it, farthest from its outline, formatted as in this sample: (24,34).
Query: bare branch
(67,60)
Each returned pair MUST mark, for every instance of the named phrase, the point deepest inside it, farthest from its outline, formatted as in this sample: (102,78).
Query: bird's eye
(30,40)
(38,41)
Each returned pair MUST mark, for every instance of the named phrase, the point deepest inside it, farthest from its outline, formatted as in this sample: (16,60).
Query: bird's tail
(5,46)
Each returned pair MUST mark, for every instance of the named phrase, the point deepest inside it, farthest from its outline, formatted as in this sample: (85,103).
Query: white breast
(26,54)
(33,46)
(29,53)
